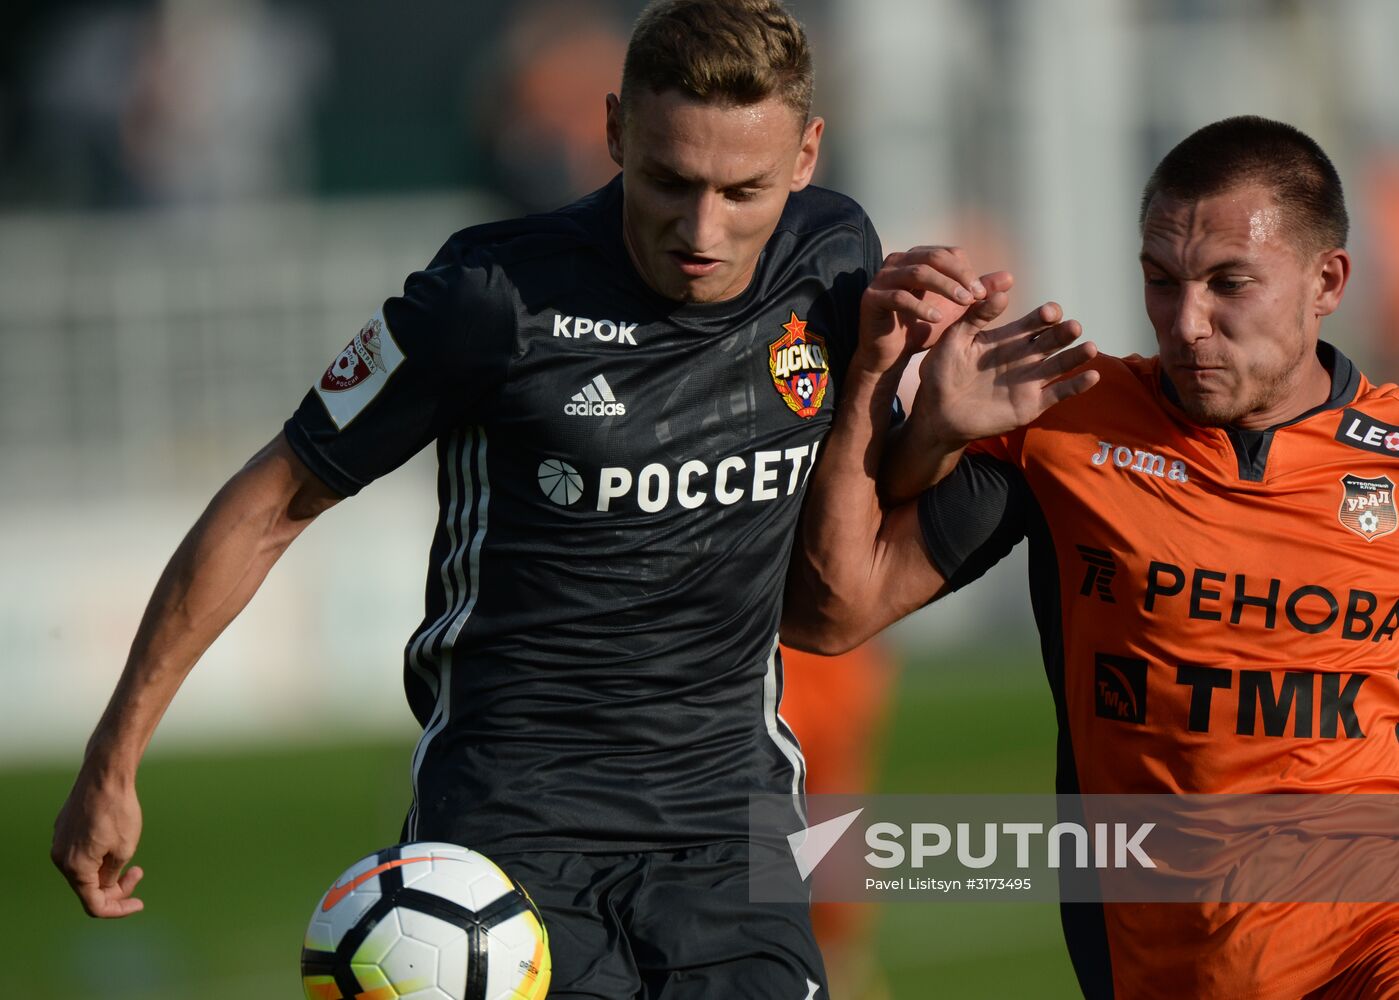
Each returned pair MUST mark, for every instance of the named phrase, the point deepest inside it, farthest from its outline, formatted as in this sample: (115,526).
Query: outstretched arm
(859,563)
(212,575)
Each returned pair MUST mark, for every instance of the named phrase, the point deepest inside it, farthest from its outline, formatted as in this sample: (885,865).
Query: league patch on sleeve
(355,377)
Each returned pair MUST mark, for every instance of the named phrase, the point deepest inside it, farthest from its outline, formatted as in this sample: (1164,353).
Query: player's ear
(1331,284)
(806,156)
(614,128)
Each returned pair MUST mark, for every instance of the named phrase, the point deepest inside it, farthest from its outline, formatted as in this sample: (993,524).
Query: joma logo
(1136,460)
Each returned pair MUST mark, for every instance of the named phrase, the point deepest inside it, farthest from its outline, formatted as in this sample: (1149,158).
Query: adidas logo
(595,400)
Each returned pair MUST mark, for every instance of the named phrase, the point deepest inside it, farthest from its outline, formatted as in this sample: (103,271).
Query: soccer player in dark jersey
(626,397)
(1212,548)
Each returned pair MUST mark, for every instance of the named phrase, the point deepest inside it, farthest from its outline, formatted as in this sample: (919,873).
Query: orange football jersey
(1219,612)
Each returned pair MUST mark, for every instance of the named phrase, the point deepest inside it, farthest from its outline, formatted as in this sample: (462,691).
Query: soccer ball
(425,921)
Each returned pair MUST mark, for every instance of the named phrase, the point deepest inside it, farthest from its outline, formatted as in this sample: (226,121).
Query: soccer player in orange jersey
(1212,540)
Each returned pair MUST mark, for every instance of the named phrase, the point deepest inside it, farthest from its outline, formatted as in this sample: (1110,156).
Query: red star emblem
(796,327)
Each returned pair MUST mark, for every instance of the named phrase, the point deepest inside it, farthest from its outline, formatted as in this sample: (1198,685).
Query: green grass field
(238,847)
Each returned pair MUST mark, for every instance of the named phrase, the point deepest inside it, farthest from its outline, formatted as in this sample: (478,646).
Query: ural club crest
(797,361)
(361,358)
(1367,506)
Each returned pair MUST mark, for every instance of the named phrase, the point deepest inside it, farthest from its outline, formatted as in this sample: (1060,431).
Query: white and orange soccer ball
(425,921)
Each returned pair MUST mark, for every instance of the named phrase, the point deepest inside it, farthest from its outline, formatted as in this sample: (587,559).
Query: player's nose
(701,224)
(1191,321)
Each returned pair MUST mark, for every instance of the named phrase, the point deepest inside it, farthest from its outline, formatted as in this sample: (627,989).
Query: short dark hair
(735,51)
(1253,150)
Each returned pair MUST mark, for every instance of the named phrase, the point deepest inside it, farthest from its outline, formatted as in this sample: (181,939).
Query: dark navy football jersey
(619,482)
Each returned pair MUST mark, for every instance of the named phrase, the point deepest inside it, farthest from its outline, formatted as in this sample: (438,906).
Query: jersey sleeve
(874,252)
(859,259)
(974,517)
(873,261)
(423,364)
(1003,447)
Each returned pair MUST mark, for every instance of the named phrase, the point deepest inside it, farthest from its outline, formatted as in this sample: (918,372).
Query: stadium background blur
(200,202)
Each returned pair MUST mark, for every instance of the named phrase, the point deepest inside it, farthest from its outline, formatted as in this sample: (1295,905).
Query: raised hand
(913,298)
(976,382)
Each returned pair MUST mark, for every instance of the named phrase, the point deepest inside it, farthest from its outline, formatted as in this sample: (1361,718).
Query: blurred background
(202,200)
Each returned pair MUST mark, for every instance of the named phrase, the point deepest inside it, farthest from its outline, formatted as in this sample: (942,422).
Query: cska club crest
(361,358)
(797,361)
(1367,506)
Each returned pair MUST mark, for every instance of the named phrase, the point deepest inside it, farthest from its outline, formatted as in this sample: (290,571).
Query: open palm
(976,382)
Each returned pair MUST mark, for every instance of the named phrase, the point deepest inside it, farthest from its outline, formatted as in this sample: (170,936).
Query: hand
(977,382)
(913,298)
(94,837)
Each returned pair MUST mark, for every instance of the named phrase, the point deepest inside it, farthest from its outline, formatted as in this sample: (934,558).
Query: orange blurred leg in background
(838,706)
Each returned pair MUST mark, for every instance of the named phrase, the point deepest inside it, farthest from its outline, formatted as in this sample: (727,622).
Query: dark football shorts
(667,925)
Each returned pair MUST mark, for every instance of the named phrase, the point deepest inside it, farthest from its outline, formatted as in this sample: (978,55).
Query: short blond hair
(724,51)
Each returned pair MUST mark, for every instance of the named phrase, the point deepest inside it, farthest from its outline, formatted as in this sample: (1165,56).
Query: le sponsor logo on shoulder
(1368,434)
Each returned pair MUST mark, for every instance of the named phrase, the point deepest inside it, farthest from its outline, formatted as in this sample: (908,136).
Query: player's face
(704,185)
(1237,307)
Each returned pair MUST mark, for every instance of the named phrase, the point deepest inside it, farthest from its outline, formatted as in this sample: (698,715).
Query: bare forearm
(915,458)
(211,577)
(847,553)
